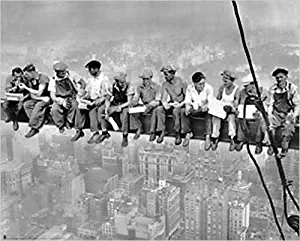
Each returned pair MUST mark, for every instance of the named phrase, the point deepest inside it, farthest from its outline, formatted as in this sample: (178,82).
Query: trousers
(60,114)
(161,118)
(135,122)
(231,119)
(12,109)
(81,116)
(36,112)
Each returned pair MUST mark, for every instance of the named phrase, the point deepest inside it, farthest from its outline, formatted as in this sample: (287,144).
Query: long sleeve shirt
(193,97)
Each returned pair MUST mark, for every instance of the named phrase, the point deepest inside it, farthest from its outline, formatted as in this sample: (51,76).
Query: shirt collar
(275,86)
(117,87)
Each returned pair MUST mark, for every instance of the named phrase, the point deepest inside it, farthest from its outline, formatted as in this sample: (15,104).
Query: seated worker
(64,87)
(36,106)
(149,93)
(12,108)
(173,88)
(196,103)
(229,94)
(284,107)
(96,92)
(248,91)
(248,94)
(121,94)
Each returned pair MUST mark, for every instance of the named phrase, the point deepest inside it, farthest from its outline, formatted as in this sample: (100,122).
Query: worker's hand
(148,108)
(204,108)
(176,104)
(67,104)
(227,109)
(22,86)
(166,105)
(81,92)
(59,100)
(45,98)
(118,108)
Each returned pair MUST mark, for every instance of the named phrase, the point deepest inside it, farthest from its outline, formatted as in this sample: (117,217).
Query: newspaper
(215,108)
(13,96)
(138,109)
(250,110)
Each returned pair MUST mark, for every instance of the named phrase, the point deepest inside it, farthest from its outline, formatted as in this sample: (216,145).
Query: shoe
(186,141)
(15,125)
(125,141)
(61,130)
(31,133)
(152,136)
(102,137)
(94,137)
(270,151)
(160,139)
(69,125)
(178,139)
(137,134)
(79,134)
(232,145)
(6,120)
(239,146)
(284,152)
(207,144)
(285,143)
(258,149)
(215,142)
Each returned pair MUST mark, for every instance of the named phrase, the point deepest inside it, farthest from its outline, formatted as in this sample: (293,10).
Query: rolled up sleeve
(296,101)
(188,97)
(130,90)
(51,86)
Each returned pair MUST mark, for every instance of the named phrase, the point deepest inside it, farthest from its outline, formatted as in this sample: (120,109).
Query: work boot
(215,142)
(7,119)
(160,139)
(207,144)
(152,136)
(137,134)
(31,133)
(187,138)
(285,144)
(178,139)
(125,140)
(239,146)
(61,129)
(79,134)
(15,125)
(94,137)
(258,148)
(232,145)
(102,137)
(270,150)
(69,125)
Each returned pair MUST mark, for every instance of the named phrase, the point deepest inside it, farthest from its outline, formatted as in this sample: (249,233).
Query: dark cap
(60,66)
(229,74)
(29,68)
(93,64)
(280,71)
(197,77)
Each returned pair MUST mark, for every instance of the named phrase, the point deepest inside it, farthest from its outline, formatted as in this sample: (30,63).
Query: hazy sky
(48,20)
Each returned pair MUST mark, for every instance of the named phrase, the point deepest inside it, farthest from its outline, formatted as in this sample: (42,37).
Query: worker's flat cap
(168,67)
(60,66)
(93,64)
(279,71)
(120,75)
(229,74)
(29,68)
(146,74)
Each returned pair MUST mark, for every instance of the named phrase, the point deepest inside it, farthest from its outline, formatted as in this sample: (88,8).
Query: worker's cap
(93,64)
(168,68)
(247,80)
(120,75)
(229,74)
(60,66)
(146,74)
(29,68)
(280,71)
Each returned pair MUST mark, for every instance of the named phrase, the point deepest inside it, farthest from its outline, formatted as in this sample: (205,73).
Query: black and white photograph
(150,120)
